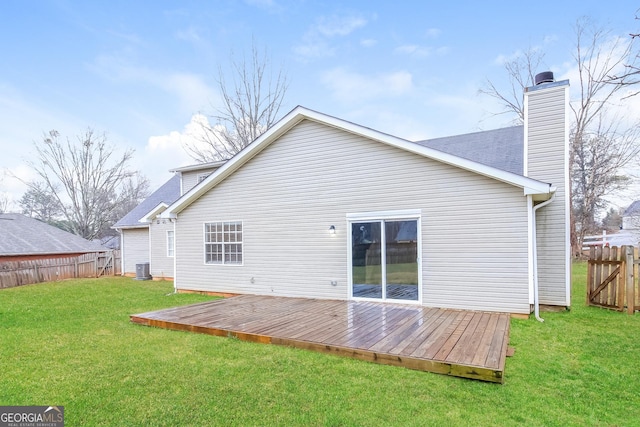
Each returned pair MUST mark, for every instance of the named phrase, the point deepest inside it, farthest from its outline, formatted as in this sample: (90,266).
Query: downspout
(122,258)
(175,255)
(536,296)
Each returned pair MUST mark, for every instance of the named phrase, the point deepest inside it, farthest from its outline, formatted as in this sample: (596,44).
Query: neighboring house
(631,217)
(630,232)
(24,238)
(320,207)
(145,238)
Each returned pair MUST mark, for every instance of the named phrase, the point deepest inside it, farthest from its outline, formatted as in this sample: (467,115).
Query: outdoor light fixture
(332,229)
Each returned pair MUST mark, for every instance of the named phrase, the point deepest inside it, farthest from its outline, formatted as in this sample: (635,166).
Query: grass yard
(71,343)
(403,273)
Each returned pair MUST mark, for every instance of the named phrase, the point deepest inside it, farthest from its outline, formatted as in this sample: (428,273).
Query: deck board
(469,344)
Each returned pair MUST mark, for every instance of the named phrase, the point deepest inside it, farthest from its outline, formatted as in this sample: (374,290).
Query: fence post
(629,279)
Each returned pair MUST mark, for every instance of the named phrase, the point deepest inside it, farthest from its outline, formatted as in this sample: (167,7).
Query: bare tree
(5,201)
(521,71)
(251,101)
(85,178)
(630,75)
(40,203)
(133,190)
(597,161)
(602,144)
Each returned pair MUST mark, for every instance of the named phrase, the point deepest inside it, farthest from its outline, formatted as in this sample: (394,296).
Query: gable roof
(500,148)
(22,235)
(633,209)
(168,193)
(298,114)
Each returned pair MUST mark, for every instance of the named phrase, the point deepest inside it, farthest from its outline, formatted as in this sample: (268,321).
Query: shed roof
(168,193)
(22,235)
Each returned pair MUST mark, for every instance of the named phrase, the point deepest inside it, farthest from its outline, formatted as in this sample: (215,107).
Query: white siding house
(135,249)
(323,208)
(145,237)
(161,247)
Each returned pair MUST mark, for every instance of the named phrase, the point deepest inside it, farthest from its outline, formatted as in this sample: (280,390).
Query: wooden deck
(468,344)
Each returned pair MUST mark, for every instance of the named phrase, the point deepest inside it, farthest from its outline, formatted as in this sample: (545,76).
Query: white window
(223,242)
(170,243)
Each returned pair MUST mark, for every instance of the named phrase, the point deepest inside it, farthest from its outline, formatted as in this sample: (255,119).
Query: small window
(170,243)
(223,243)
(203,176)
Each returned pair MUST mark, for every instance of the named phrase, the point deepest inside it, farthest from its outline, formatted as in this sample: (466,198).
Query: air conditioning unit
(142,271)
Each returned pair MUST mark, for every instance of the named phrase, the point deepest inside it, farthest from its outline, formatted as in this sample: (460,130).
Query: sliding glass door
(384,259)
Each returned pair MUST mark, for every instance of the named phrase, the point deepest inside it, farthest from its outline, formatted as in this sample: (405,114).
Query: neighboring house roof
(110,242)
(530,186)
(633,210)
(168,193)
(22,235)
(500,148)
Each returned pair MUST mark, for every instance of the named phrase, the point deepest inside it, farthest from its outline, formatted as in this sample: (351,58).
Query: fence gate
(611,282)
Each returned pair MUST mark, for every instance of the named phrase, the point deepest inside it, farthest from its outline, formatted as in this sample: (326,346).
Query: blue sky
(140,70)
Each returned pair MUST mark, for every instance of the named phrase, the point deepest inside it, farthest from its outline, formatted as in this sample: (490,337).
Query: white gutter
(536,296)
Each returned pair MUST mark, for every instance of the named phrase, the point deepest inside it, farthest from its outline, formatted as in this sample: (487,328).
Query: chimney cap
(544,77)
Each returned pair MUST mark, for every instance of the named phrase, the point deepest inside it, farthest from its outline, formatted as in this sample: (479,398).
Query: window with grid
(170,243)
(223,242)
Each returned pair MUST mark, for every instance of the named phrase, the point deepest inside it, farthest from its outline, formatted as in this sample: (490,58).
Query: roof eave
(129,227)
(199,166)
(299,113)
(148,218)
(286,123)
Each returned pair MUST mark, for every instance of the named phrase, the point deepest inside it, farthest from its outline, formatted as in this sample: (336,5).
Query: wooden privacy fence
(18,273)
(613,279)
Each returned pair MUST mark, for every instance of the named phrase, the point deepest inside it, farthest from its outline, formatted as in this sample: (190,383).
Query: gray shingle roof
(168,193)
(499,148)
(22,235)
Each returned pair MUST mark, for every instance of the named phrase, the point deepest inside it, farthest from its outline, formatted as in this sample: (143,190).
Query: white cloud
(314,49)
(168,151)
(433,33)
(368,42)
(349,86)
(268,5)
(190,34)
(338,25)
(414,50)
(315,42)
(192,91)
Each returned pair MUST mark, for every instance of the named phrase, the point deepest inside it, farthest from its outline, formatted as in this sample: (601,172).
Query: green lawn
(403,273)
(71,343)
